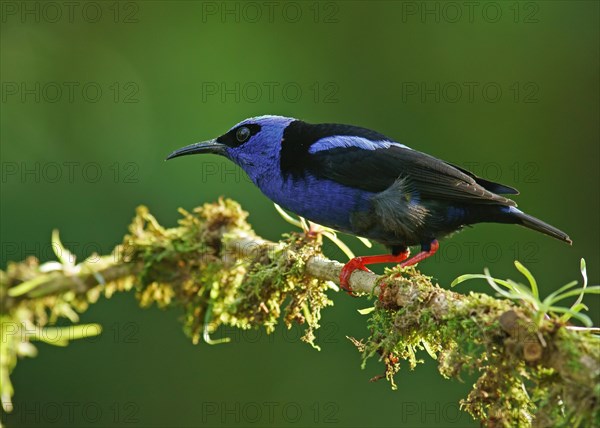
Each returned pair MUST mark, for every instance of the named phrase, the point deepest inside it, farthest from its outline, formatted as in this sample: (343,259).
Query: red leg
(360,262)
(434,246)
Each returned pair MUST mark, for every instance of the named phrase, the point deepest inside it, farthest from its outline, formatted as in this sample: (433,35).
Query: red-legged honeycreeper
(361,182)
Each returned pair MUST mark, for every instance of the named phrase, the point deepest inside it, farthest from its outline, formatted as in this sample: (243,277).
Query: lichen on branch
(532,368)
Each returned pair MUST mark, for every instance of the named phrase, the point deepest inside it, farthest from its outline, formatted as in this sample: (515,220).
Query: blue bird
(361,182)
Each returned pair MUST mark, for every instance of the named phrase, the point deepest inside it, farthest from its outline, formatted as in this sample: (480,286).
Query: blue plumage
(359,181)
(306,198)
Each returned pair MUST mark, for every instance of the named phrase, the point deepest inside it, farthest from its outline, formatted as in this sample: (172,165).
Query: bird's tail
(519,217)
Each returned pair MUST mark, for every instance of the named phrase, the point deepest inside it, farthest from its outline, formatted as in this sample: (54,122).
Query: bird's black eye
(242,134)
(237,136)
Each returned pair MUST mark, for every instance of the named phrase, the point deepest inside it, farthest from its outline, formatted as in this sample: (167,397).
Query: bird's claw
(346,273)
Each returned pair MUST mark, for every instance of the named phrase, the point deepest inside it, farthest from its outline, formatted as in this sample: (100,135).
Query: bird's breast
(321,201)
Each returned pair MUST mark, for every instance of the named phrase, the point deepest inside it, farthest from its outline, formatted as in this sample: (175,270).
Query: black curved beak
(210,146)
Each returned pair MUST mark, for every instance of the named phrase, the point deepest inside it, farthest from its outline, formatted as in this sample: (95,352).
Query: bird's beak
(210,146)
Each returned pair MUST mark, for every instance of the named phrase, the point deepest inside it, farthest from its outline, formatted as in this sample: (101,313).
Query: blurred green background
(95,95)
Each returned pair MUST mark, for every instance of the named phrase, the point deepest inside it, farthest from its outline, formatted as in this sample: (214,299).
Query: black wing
(502,189)
(376,170)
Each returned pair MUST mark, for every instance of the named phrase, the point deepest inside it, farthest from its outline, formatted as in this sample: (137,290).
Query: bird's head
(253,144)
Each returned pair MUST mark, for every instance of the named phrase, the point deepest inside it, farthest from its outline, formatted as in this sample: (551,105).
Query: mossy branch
(531,370)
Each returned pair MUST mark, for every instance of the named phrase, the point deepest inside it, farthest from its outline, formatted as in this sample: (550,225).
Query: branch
(318,267)
(531,371)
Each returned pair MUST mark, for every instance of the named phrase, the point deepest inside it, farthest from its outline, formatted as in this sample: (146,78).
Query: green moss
(518,381)
(191,266)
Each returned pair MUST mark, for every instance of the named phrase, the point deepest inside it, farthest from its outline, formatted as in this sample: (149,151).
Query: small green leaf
(61,336)
(304,224)
(585,281)
(333,238)
(589,290)
(366,311)
(430,351)
(26,286)
(206,330)
(62,254)
(527,274)
(365,241)
(550,298)
(578,315)
(288,217)
(577,305)
(467,277)
(494,283)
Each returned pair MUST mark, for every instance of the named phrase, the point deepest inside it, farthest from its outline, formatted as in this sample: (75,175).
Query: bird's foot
(433,247)
(351,266)
(360,262)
